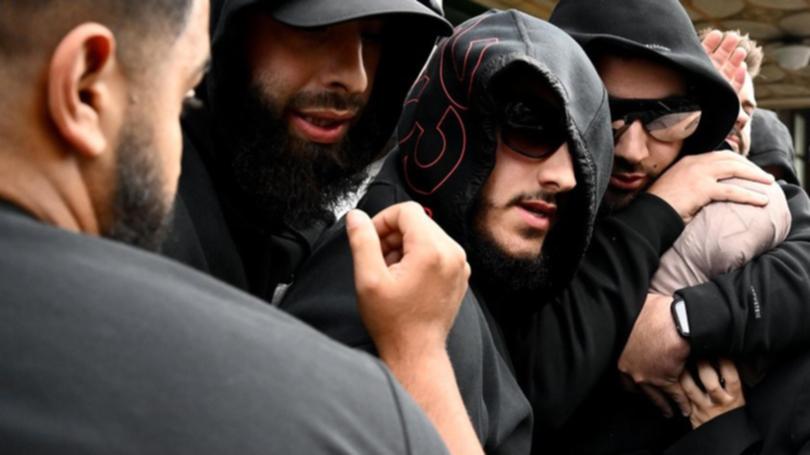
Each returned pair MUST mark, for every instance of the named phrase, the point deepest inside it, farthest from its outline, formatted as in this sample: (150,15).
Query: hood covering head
(448,140)
(267,174)
(772,144)
(659,30)
(403,52)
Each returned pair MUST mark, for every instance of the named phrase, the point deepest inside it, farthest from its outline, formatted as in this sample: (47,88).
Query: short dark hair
(30,25)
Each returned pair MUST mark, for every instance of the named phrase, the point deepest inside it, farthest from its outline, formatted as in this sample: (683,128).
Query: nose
(742,119)
(556,173)
(347,70)
(632,145)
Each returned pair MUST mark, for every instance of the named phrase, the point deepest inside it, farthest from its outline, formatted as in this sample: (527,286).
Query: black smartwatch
(680,317)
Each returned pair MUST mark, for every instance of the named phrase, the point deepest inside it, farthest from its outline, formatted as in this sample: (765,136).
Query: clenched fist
(410,277)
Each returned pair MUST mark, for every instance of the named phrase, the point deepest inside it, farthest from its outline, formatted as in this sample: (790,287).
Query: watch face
(680,316)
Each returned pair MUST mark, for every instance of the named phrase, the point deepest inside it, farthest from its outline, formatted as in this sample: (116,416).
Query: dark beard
(140,214)
(498,272)
(279,176)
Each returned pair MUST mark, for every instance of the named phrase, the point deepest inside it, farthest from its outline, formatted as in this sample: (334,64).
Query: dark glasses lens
(534,143)
(668,120)
(674,127)
(533,131)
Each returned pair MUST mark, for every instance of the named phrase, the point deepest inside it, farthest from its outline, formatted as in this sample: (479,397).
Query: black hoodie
(772,145)
(569,349)
(447,125)
(662,31)
(215,229)
(447,151)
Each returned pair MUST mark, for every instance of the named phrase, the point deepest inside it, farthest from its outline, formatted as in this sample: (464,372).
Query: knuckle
(432,258)
(456,267)
(411,205)
(370,285)
(460,258)
(412,208)
(714,389)
(724,400)
(733,386)
(461,253)
(638,378)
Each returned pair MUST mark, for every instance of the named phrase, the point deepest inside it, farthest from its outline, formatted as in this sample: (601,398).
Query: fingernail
(351,220)
(354,218)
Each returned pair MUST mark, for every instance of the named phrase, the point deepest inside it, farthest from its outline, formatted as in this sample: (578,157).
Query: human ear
(81,88)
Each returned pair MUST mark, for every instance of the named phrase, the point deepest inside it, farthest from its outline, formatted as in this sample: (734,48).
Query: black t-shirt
(107,349)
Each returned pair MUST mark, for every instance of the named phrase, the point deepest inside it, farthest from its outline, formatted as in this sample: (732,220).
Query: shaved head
(30,29)
(97,88)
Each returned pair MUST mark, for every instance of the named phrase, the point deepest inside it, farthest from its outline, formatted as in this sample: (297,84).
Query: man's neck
(52,192)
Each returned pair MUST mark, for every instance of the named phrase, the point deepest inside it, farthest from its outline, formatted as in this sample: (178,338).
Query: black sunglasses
(668,119)
(534,130)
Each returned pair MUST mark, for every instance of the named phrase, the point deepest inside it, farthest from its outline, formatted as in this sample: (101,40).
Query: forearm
(427,374)
(762,307)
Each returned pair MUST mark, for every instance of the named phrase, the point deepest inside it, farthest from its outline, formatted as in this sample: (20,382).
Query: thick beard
(495,269)
(141,215)
(280,177)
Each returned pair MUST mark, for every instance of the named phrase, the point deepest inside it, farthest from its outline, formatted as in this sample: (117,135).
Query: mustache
(621,165)
(545,196)
(327,100)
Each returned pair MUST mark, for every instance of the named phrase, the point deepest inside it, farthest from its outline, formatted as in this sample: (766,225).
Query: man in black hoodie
(772,146)
(302,97)
(110,349)
(505,141)
(566,353)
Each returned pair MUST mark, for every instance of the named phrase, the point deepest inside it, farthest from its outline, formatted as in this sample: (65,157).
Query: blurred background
(781,27)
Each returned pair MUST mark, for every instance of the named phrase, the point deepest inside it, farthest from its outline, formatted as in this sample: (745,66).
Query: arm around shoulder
(761,307)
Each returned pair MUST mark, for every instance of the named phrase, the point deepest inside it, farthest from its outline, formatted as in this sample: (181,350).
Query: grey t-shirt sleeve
(419,435)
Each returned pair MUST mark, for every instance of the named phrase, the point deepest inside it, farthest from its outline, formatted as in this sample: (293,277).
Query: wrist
(411,349)
(413,366)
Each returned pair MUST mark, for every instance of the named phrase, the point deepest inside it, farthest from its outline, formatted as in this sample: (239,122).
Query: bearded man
(301,99)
